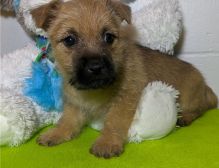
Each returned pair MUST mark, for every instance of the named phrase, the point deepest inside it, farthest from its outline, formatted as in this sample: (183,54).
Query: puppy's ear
(44,14)
(121,9)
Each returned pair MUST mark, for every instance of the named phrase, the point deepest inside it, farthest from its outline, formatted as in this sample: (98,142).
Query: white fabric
(158,23)
(156,114)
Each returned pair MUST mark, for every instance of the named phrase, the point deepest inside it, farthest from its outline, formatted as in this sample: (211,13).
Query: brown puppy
(105,72)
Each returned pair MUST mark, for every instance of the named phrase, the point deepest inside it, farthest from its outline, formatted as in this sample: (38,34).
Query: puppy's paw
(106,148)
(52,137)
(185,120)
(182,122)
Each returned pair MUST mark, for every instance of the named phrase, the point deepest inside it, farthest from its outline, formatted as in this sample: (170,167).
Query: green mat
(196,146)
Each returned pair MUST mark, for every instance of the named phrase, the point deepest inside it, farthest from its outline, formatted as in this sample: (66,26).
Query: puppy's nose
(95,66)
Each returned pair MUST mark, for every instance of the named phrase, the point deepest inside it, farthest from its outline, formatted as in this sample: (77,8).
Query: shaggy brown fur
(135,67)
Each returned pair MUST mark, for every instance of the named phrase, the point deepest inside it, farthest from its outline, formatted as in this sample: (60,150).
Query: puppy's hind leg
(186,118)
(197,106)
(67,128)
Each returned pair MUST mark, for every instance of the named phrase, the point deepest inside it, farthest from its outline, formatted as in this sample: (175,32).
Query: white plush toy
(158,24)
(20,117)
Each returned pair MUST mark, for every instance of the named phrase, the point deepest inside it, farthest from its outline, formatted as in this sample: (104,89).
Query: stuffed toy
(30,99)
(20,117)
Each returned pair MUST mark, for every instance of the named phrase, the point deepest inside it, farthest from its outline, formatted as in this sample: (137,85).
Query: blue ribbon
(45,84)
(16,5)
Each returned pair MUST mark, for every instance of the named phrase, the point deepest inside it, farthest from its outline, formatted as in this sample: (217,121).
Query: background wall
(199,43)
(12,34)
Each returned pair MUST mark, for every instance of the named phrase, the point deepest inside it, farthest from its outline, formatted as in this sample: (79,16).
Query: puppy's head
(89,39)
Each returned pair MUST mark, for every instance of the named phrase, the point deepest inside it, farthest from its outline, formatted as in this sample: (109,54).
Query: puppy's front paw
(52,137)
(106,148)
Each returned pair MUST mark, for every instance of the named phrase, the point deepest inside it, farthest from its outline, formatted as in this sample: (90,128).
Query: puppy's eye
(70,40)
(109,38)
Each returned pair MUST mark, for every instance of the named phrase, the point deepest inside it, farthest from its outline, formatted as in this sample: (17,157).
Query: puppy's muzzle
(93,72)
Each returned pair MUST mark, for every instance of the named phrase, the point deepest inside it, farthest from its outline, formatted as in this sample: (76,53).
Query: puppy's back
(167,68)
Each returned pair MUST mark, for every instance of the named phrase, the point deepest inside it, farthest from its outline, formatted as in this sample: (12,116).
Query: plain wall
(200,41)
(198,45)
(12,34)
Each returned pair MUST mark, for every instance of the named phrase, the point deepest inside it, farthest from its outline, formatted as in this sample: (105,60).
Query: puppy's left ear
(121,9)
(45,14)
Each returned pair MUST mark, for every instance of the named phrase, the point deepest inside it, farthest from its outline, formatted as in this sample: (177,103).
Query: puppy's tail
(211,98)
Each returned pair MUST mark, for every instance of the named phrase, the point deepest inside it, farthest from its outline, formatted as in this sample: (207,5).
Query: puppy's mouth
(93,73)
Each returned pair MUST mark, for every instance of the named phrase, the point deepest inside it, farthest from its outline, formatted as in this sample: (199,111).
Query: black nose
(94,72)
(95,66)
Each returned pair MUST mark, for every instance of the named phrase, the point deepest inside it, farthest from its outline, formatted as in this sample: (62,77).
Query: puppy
(105,72)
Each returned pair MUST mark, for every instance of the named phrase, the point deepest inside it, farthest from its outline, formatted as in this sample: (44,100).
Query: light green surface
(196,146)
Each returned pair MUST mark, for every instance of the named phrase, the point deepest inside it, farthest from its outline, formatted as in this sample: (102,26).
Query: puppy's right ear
(45,14)
(121,9)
